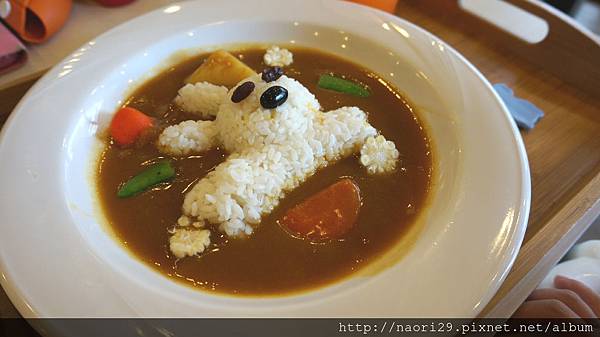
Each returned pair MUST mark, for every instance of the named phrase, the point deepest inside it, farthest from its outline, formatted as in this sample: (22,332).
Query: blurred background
(586,12)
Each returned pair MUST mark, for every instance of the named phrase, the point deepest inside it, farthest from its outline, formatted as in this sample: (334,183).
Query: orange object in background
(114,3)
(37,20)
(385,5)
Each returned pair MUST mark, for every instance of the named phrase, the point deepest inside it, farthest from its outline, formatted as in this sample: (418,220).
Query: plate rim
(15,293)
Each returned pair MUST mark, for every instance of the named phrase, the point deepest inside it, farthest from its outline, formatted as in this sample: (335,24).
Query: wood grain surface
(563,149)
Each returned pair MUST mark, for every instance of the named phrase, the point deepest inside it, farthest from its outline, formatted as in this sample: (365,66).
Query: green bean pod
(327,81)
(154,174)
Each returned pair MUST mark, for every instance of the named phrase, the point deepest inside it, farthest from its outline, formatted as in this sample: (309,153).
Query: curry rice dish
(258,172)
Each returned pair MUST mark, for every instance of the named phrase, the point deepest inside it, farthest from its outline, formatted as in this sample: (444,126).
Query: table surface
(563,149)
(87,20)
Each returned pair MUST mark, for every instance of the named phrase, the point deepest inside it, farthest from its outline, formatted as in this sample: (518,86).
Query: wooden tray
(561,75)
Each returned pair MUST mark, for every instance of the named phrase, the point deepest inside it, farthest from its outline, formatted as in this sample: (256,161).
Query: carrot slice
(329,214)
(128,124)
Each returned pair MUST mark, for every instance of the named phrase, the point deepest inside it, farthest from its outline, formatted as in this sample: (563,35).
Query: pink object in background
(12,52)
(113,3)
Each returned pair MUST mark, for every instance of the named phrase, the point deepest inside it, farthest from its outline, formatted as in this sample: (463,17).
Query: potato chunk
(221,68)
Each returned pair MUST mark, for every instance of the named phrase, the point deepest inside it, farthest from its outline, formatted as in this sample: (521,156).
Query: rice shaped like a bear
(271,151)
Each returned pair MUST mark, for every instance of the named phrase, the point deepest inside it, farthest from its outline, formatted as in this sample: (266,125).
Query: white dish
(57,260)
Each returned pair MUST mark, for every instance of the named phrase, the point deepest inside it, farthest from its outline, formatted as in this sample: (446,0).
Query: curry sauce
(270,261)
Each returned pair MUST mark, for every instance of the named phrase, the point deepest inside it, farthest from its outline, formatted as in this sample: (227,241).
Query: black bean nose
(271,74)
(242,91)
(273,97)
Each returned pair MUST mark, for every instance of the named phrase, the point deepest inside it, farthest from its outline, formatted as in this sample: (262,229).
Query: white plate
(58,260)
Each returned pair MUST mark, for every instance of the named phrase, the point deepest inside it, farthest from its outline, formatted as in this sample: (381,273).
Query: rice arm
(202,99)
(188,137)
(346,131)
(342,132)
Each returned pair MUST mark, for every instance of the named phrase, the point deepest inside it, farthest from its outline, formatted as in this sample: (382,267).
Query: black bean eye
(271,74)
(242,91)
(273,97)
